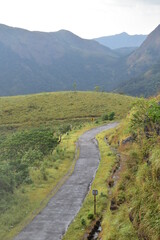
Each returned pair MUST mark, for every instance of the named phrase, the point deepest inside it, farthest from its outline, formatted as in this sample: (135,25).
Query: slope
(134,208)
(37,147)
(142,68)
(147,84)
(146,55)
(33,62)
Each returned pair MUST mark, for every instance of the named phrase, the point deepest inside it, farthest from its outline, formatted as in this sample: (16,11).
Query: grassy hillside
(136,196)
(52,108)
(128,180)
(33,156)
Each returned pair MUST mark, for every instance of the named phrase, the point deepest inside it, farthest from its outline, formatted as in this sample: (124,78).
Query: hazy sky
(86,18)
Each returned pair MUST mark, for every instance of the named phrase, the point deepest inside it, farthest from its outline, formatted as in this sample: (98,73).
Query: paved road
(53,221)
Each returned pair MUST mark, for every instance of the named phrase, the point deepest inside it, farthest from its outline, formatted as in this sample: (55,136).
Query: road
(52,222)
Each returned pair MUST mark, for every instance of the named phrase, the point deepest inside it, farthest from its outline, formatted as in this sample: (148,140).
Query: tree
(74,86)
(97,88)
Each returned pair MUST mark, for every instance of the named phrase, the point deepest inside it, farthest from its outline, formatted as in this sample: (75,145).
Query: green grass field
(32,161)
(53,108)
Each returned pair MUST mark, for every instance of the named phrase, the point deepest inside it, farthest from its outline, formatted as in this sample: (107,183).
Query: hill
(33,62)
(128,180)
(37,147)
(125,51)
(134,205)
(146,55)
(147,84)
(55,108)
(142,68)
(122,40)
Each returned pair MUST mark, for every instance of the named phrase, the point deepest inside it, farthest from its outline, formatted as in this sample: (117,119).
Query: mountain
(33,62)
(126,51)
(122,40)
(146,55)
(147,84)
(143,68)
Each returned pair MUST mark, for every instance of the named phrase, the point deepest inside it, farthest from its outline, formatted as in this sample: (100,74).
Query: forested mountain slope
(34,62)
(142,68)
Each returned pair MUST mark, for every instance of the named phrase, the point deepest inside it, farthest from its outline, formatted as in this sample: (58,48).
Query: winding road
(52,222)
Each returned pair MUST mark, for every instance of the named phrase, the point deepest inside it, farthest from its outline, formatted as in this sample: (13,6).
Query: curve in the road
(53,221)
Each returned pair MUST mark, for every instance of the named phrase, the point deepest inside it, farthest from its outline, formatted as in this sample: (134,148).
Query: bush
(18,143)
(105,117)
(65,128)
(83,222)
(90,216)
(111,116)
(19,152)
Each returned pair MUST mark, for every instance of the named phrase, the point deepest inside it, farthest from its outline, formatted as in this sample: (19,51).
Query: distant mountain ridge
(33,62)
(122,40)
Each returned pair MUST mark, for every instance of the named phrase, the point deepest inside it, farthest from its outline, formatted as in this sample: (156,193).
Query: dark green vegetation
(33,62)
(20,151)
(37,146)
(28,172)
(136,196)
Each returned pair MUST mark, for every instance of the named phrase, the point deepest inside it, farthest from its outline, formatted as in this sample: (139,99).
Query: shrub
(90,216)
(104,117)
(111,116)
(83,222)
(19,152)
(65,128)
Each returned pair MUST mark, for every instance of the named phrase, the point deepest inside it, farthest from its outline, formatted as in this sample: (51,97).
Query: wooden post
(94,204)
(95,193)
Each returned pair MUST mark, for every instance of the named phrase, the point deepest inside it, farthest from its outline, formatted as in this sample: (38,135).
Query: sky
(86,18)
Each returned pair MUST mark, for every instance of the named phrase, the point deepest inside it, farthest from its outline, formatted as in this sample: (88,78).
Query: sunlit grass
(52,108)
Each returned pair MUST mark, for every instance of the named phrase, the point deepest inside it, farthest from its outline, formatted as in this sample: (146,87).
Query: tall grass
(138,217)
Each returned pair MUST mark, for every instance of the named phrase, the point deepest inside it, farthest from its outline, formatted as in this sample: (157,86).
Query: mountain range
(33,62)
(122,40)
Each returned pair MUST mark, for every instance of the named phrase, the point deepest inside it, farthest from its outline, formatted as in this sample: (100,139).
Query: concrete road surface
(53,221)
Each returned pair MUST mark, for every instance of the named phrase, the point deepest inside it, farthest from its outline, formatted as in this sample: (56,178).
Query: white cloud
(87,18)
